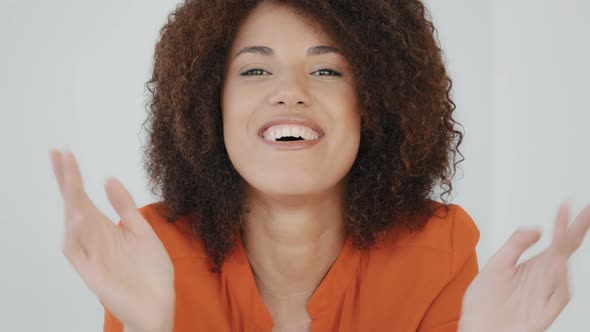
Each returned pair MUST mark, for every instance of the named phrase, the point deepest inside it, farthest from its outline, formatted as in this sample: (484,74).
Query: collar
(238,273)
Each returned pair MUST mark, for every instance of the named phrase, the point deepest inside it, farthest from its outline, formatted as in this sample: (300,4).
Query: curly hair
(408,137)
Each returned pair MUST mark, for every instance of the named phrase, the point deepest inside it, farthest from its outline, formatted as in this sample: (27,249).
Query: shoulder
(449,236)
(178,236)
(409,269)
(449,228)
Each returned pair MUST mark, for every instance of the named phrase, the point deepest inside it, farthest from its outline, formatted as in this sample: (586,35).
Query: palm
(528,296)
(126,267)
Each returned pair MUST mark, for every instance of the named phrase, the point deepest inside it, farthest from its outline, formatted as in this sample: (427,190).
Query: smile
(290,141)
(290,132)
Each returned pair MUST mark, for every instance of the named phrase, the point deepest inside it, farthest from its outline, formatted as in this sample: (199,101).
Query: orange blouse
(409,282)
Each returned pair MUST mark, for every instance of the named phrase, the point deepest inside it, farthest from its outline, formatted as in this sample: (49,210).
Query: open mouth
(289,138)
(289,132)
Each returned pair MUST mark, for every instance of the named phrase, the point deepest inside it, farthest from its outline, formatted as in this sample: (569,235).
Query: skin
(510,297)
(296,201)
(505,296)
(295,230)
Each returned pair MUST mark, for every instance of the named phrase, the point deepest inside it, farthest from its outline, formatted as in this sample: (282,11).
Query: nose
(291,91)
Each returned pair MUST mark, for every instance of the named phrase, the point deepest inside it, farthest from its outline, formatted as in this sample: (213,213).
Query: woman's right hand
(127,268)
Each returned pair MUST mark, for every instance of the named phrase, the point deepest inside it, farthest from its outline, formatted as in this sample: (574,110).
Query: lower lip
(291,145)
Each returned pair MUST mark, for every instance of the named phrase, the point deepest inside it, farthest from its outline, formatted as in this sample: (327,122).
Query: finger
(124,205)
(71,248)
(76,201)
(57,167)
(510,252)
(558,300)
(578,230)
(90,225)
(72,245)
(555,269)
(60,168)
(73,186)
(76,253)
(79,258)
(559,244)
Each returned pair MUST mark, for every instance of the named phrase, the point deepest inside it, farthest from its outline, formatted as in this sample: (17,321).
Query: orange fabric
(410,282)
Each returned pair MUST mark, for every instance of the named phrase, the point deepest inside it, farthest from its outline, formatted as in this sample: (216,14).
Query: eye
(257,70)
(329,71)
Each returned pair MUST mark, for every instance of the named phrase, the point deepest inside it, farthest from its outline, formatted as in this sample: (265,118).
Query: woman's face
(287,79)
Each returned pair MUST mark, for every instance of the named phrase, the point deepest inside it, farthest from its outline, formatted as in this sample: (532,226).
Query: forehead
(279,24)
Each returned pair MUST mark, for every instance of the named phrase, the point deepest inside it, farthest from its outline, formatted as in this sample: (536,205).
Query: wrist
(464,327)
(470,324)
(163,323)
(165,327)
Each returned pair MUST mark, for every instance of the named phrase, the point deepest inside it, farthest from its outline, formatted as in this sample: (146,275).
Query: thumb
(510,252)
(124,205)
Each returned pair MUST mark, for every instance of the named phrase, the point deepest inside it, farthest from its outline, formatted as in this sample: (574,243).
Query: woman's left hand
(529,296)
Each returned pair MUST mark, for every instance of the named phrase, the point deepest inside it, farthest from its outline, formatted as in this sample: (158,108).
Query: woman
(295,144)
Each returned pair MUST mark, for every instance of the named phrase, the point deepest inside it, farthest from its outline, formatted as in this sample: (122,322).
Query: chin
(289,186)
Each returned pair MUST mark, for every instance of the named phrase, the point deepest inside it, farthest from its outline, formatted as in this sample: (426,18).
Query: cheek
(235,136)
(275,172)
(235,114)
(239,140)
(348,119)
(345,124)
(345,113)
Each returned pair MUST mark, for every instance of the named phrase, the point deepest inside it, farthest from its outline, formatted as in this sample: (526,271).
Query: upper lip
(291,119)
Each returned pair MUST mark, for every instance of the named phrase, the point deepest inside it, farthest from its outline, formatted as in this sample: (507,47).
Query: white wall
(541,130)
(72,75)
(522,77)
(468,54)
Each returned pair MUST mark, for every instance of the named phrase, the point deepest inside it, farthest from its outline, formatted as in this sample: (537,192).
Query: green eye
(247,73)
(333,72)
(259,71)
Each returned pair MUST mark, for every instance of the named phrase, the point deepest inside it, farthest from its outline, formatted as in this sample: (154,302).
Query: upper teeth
(286,130)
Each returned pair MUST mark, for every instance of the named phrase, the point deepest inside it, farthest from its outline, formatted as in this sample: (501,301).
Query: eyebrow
(267,51)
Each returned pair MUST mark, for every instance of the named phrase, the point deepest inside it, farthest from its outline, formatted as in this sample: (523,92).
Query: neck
(291,246)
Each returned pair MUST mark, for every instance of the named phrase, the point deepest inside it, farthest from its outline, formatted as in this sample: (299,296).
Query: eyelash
(335,73)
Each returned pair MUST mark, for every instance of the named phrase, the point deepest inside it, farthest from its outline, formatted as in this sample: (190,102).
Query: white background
(72,76)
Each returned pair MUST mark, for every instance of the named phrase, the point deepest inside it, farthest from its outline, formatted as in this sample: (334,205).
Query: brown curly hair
(407,130)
